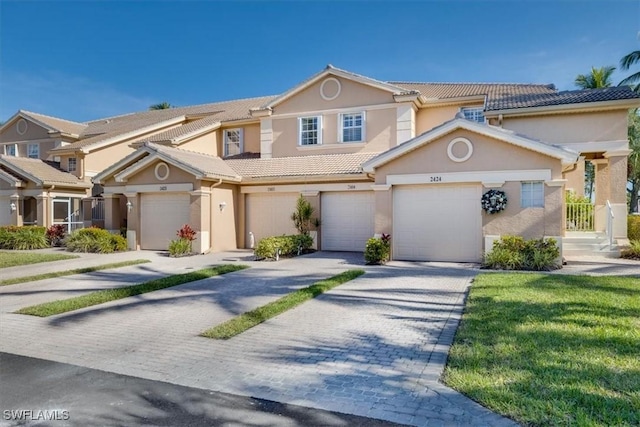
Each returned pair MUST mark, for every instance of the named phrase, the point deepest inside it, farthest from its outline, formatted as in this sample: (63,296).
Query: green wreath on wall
(494,201)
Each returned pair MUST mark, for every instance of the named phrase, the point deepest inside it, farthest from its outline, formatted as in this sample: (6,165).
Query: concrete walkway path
(372,347)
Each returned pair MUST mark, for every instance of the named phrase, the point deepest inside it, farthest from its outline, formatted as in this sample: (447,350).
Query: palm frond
(630,59)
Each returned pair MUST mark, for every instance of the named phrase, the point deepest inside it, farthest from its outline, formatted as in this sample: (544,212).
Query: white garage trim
(347,220)
(437,223)
(356,186)
(269,214)
(161,216)
(475,176)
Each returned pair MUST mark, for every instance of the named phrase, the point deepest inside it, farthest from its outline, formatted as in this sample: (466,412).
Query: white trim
(310,193)
(166,175)
(511,137)
(405,123)
(75,164)
(225,140)
(381,187)
(26,126)
(335,145)
(114,189)
(464,158)
(15,148)
(617,153)
(556,182)
(318,130)
(596,146)
(330,111)
(489,177)
(301,188)
(266,138)
(158,188)
(330,98)
(33,144)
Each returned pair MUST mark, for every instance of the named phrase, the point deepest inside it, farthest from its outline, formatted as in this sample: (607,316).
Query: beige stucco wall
(34,131)
(428,118)
(380,135)
(575,178)
(352,94)
(224,224)
(527,222)
(207,144)
(488,155)
(571,128)
(98,160)
(147,176)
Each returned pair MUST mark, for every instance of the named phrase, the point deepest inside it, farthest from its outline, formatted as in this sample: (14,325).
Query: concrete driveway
(373,347)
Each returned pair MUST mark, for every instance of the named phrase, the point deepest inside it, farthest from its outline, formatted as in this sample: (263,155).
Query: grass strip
(83,270)
(551,350)
(106,295)
(248,320)
(13,259)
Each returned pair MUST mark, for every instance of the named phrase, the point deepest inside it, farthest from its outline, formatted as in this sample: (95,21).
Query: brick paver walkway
(375,346)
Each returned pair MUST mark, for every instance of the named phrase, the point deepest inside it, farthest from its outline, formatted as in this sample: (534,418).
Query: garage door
(437,223)
(161,216)
(347,220)
(269,214)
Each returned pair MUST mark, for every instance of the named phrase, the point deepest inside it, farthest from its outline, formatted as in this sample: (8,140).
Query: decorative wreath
(494,201)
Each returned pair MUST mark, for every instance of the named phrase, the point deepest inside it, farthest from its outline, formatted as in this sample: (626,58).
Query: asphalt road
(36,392)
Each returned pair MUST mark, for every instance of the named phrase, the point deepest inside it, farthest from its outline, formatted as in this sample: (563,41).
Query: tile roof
(563,98)
(209,166)
(61,125)
(8,176)
(182,132)
(325,164)
(47,172)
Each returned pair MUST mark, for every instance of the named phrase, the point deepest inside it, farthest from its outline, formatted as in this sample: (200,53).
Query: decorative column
(601,167)
(17,214)
(617,194)
(200,219)
(44,214)
(313,197)
(133,221)
(112,213)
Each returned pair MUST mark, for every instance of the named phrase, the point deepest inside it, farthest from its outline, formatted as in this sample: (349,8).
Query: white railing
(580,217)
(610,217)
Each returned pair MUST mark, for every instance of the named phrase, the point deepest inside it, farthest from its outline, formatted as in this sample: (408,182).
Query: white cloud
(69,97)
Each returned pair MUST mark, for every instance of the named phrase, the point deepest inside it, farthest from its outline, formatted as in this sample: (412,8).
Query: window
(352,127)
(11,150)
(33,151)
(532,194)
(73,164)
(233,142)
(473,113)
(310,131)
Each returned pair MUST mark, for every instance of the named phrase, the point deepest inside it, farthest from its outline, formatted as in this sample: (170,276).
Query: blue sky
(85,60)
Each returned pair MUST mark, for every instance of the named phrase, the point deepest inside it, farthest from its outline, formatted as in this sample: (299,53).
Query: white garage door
(161,216)
(347,220)
(269,214)
(437,223)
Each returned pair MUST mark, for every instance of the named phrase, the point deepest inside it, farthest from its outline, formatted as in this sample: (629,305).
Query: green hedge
(288,245)
(23,238)
(516,253)
(95,240)
(633,227)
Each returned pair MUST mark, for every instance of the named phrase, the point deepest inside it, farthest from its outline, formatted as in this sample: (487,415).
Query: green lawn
(83,270)
(551,350)
(248,320)
(12,259)
(106,295)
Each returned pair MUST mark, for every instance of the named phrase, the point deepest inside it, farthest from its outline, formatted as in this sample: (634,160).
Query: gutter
(566,108)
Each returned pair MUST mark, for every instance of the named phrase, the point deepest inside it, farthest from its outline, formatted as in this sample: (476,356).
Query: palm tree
(625,63)
(161,106)
(598,78)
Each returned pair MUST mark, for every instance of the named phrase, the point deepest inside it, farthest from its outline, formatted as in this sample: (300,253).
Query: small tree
(302,217)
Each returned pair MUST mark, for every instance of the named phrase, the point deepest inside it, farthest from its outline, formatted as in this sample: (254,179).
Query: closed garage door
(437,223)
(161,216)
(269,214)
(347,220)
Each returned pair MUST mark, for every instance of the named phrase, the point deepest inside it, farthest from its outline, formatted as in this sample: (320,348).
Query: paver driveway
(374,346)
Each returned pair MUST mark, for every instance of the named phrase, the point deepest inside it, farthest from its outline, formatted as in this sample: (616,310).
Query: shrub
(302,217)
(95,240)
(378,249)
(633,251)
(179,247)
(55,234)
(187,233)
(288,245)
(516,253)
(23,238)
(633,227)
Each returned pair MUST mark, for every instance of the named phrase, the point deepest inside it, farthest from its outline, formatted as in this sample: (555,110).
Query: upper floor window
(473,113)
(33,151)
(233,142)
(73,164)
(11,150)
(532,194)
(352,125)
(310,130)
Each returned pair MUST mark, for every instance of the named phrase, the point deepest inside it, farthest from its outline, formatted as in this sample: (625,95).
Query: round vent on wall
(330,89)
(21,127)
(162,171)
(460,150)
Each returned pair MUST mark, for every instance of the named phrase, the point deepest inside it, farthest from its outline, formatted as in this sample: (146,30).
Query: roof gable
(40,172)
(510,137)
